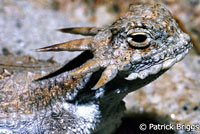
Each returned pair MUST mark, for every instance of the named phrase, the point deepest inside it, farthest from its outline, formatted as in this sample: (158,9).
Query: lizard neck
(70,105)
(108,100)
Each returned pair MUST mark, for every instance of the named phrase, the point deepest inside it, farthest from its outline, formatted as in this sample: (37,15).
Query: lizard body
(132,52)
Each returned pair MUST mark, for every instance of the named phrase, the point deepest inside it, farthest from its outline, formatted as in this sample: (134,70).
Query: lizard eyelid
(138,37)
(138,40)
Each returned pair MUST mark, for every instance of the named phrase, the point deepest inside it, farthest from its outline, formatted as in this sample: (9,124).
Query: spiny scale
(90,66)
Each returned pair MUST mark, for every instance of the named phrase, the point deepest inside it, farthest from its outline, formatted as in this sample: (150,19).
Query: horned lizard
(85,96)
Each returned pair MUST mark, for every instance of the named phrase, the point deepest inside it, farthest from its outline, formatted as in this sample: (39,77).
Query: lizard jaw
(168,63)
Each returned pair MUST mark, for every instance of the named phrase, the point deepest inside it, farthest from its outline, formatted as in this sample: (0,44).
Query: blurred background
(174,98)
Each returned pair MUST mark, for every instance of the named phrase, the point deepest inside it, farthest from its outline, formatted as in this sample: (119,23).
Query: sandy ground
(25,27)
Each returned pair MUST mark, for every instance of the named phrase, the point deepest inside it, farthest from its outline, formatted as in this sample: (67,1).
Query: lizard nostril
(138,40)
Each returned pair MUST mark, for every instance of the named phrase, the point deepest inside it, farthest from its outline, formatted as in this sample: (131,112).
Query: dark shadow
(131,125)
(84,95)
(75,63)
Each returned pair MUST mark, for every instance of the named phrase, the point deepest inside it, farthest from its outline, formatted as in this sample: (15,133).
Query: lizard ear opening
(75,63)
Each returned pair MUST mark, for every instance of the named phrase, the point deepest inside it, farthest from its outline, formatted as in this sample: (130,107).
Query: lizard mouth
(156,68)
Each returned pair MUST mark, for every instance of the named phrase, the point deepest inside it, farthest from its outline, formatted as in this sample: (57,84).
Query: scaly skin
(132,52)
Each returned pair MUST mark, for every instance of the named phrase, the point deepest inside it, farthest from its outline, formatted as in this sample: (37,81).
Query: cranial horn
(109,74)
(74,45)
(87,31)
(90,66)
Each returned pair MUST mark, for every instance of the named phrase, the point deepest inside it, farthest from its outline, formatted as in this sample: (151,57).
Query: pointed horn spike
(109,74)
(74,45)
(87,31)
(90,66)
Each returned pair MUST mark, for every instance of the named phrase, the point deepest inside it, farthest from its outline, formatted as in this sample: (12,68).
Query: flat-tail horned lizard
(87,96)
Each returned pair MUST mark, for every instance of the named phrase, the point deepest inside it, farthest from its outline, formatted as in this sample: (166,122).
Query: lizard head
(151,38)
(143,42)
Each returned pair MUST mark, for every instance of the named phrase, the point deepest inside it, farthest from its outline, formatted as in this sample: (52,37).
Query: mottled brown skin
(132,52)
(13,74)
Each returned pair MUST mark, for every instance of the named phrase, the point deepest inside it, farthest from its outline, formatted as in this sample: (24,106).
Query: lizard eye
(138,40)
